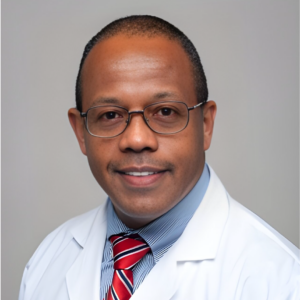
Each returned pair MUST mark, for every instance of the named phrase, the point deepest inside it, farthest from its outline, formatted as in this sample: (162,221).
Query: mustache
(137,160)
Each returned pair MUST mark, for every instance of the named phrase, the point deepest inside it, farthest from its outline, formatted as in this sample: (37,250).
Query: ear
(209,113)
(77,124)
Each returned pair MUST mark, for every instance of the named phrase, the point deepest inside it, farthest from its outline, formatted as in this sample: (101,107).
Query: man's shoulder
(60,249)
(228,230)
(249,233)
(257,255)
(243,229)
(77,227)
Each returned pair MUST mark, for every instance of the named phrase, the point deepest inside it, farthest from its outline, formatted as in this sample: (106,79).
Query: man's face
(133,73)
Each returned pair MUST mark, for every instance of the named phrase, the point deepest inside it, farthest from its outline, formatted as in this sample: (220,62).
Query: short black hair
(149,26)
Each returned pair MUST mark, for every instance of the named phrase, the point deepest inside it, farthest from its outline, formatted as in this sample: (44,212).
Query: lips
(140,170)
(141,176)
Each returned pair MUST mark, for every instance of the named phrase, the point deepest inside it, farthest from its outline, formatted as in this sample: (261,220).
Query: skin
(134,72)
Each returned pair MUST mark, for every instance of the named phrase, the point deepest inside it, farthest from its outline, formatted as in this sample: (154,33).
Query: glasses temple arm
(197,105)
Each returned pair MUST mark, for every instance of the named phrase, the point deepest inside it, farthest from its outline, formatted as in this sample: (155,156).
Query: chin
(141,212)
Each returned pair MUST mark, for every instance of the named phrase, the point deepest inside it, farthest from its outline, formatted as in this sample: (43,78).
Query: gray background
(250,54)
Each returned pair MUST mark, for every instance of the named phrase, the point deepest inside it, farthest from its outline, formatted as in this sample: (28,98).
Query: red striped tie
(127,252)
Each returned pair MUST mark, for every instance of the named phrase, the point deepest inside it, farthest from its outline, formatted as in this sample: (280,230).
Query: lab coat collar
(83,278)
(201,238)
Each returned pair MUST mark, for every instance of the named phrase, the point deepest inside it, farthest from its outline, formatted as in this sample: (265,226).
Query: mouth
(141,176)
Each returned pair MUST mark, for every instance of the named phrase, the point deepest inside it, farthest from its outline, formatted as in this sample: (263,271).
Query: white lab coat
(225,253)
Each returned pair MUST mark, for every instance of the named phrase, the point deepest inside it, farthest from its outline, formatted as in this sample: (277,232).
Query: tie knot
(127,251)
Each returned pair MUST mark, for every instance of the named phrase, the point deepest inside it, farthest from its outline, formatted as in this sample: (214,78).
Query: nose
(138,136)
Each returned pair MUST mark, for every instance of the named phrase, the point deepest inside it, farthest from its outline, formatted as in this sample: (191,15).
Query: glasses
(108,121)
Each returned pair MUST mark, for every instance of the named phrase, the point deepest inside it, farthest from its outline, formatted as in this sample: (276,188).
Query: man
(168,230)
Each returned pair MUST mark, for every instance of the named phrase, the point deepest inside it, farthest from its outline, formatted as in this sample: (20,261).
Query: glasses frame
(85,115)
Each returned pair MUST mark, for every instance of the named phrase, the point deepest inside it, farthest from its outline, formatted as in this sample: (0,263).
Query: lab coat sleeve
(273,286)
(292,290)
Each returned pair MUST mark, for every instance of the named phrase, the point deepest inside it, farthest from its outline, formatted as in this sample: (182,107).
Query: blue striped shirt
(160,234)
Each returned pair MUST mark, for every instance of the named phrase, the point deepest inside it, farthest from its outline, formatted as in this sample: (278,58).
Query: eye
(110,115)
(165,111)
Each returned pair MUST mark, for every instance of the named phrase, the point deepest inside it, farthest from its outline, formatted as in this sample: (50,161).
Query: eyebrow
(163,95)
(106,100)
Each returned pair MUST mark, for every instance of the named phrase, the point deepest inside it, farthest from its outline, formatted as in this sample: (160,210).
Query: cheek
(98,154)
(191,140)
(196,133)
(184,150)
(191,150)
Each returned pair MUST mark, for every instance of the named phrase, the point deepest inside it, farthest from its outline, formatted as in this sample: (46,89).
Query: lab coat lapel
(83,278)
(160,283)
(199,241)
(201,237)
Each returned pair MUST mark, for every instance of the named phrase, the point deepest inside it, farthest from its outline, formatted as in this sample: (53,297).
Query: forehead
(121,66)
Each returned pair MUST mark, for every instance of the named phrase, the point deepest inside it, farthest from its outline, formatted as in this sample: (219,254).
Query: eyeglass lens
(165,117)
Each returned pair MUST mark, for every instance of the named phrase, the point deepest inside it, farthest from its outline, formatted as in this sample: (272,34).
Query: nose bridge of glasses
(135,112)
